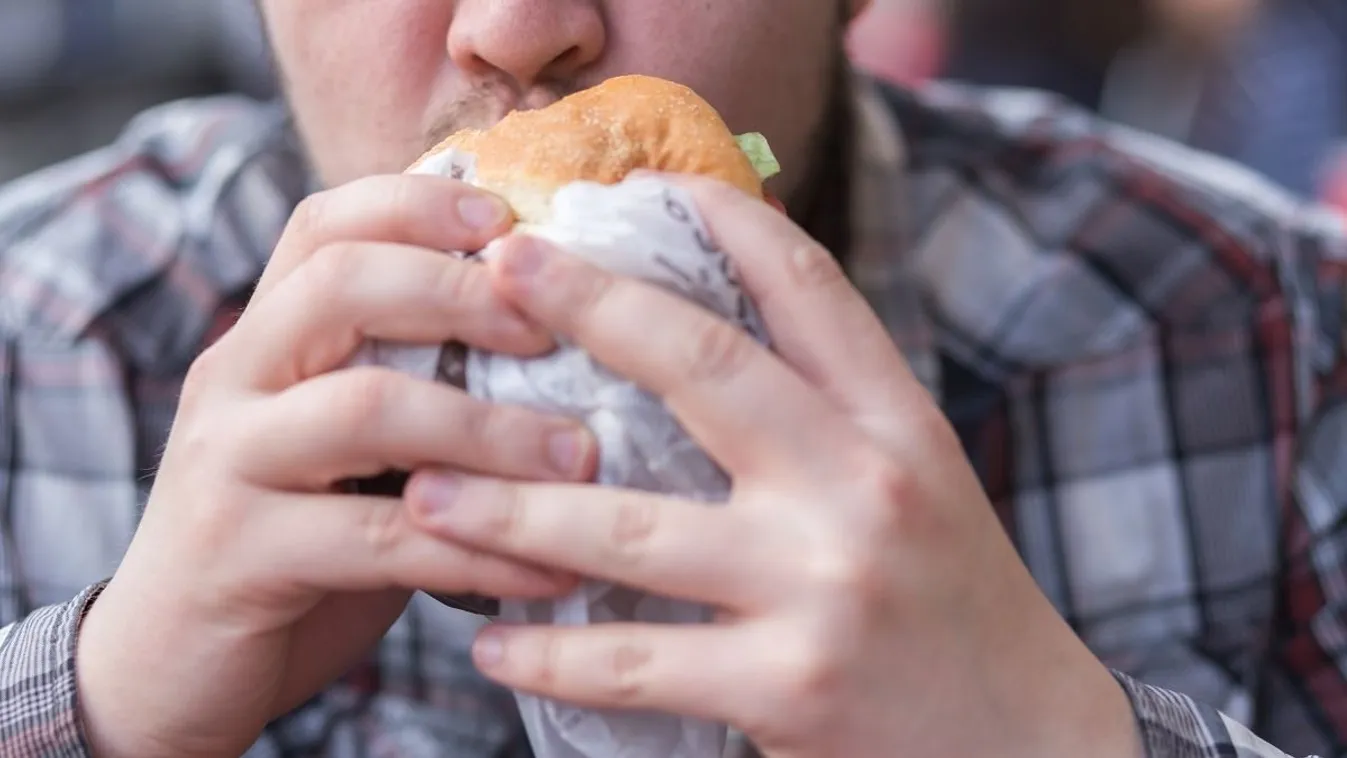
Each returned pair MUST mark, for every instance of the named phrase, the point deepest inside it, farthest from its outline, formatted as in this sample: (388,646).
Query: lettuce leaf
(759,154)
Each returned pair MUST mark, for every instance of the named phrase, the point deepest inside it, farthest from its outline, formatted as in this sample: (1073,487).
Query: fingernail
(481,211)
(566,449)
(523,260)
(436,493)
(489,650)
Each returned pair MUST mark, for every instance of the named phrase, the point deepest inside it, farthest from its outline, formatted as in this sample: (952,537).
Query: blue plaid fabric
(1141,348)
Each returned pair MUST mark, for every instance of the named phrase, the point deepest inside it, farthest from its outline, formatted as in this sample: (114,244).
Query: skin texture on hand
(871,604)
(252,583)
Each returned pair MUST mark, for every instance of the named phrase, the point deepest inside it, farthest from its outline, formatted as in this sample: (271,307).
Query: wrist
(1056,698)
(97,688)
(1091,715)
(154,679)
(1109,728)
(1063,702)
(117,646)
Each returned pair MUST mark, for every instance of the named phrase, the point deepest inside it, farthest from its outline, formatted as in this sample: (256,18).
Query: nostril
(470,62)
(528,41)
(570,58)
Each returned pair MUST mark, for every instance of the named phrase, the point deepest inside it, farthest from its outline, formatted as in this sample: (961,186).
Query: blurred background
(72,72)
(1261,81)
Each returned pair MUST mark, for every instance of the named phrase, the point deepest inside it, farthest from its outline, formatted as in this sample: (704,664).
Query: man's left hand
(870,602)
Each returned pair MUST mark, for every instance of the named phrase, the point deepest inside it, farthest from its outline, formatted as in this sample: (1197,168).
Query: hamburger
(564,171)
(601,135)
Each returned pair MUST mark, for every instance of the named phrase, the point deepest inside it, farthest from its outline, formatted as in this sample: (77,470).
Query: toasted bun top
(601,135)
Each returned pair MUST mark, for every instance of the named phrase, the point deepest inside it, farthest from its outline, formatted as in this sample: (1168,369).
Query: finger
(344,543)
(743,405)
(354,292)
(423,211)
(702,671)
(363,421)
(669,547)
(820,324)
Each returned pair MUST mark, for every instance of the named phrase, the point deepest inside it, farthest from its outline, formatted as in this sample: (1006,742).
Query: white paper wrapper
(648,229)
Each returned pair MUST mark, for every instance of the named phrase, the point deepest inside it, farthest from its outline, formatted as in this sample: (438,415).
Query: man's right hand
(252,582)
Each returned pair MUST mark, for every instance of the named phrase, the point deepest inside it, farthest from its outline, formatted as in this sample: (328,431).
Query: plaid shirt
(1142,349)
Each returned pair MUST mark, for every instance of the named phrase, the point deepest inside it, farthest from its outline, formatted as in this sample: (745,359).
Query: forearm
(38,707)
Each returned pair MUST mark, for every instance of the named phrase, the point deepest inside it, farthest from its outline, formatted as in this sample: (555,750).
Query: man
(1137,349)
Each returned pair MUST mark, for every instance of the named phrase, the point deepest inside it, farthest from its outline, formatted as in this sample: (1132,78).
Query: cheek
(358,75)
(726,48)
(764,64)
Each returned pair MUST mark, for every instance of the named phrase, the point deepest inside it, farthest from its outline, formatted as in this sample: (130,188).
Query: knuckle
(504,522)
(458,282)
(718,352)
(310,214)
(547,661)
(887,483)
(209,454)
(381,529)
(400,194)
(225,442)
(332,267)
(362,396)
(813,266)
(629,672)
(891,507)
(470,563)
(933,431)
(202,443)
(215,527)
(201,376)
(808,674)
(230,439)
(634,524)
(505,438)
(851,575)
(486,429)
(473,567)
(585,295)
(192,441)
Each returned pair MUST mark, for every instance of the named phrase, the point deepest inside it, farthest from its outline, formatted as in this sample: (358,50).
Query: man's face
(373,83)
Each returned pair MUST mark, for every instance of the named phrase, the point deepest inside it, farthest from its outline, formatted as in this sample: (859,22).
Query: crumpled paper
(648,229)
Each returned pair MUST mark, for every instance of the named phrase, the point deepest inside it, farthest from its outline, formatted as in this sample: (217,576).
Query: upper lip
(488,104)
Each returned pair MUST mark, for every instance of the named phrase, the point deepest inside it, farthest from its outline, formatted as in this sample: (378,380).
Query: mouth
(486,105)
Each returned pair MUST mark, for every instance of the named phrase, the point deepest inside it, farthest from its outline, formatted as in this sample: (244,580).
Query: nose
(530,41)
